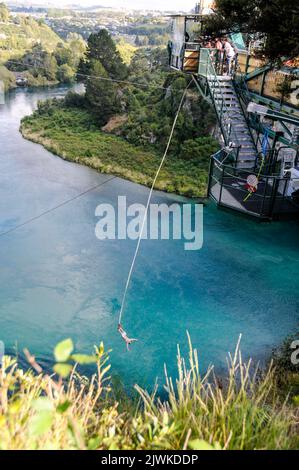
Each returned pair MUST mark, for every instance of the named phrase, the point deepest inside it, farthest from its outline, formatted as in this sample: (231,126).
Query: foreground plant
(69,411)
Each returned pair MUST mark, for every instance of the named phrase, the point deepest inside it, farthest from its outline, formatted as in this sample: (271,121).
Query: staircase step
(232,106)
(233,114)
(245,166)
(247,146)
(227,99)
(244,137)
(225,96)
(222,88)
(247,158)
(251,162)
(227,104)
(245,141)
(224,78)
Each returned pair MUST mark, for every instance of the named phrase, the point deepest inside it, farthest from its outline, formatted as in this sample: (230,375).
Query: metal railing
(206,68)
(243,96)
(227,187)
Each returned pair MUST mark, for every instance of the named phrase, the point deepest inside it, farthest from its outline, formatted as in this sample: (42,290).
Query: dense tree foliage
(150,103)
(274,21)
(125,50)
(30,47)
(102,48)
(151,109)
(101,94)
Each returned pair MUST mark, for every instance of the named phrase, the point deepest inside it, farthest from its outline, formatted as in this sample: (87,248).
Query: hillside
(34,54)
(19,34)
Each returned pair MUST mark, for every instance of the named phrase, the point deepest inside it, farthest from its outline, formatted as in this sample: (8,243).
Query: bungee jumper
(124,336)
(120,329)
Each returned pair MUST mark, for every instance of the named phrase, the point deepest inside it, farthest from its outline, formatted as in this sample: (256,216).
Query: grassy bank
(38,411)
(72,134)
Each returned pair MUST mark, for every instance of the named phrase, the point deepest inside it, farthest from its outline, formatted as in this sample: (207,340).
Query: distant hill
(18,34)
(32,54)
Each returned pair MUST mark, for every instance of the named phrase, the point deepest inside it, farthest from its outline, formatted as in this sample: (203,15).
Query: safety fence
(268,199)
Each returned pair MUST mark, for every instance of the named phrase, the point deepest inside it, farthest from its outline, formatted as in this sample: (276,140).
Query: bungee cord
(136,84)
(146,211)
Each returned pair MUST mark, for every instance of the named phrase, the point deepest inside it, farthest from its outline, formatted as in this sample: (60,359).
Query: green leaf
(63,350)
(83,358)
(63,370)
(94,443)
(63,407)
(200,444)
(296,400)
(101,349)
(41,423)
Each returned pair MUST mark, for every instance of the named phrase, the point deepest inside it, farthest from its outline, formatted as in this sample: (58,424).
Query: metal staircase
(231,118)
(229,109)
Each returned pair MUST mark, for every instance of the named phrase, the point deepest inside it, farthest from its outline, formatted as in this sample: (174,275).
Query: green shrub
(73,132)
(70,411)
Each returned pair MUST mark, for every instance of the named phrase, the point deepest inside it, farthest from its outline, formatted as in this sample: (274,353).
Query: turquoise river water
(58,280)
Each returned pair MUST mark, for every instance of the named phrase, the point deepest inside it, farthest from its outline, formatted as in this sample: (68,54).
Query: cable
(98,77)
(148,203)
(56,207)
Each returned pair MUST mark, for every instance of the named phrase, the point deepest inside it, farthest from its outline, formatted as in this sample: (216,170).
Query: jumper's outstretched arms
(124,336)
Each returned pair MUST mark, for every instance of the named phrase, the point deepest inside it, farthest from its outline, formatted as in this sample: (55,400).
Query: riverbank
(72,134)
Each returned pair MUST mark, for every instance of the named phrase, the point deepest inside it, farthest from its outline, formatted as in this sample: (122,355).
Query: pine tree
(101,94)
(101,47)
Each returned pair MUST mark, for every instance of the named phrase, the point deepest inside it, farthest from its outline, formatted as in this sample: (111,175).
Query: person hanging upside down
(124,336)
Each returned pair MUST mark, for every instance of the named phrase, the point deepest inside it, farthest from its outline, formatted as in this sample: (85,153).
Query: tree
(63,55)
(277,21)
(65,74)
(77,45)
(102,48)
(40,63)
(199,150)
(126,51)
(49,68)
(101,94)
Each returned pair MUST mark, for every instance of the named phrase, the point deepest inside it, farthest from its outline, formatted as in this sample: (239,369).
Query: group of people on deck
(225,55)
(223,52)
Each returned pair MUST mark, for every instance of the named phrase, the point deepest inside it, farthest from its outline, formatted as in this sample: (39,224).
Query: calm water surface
(57,280)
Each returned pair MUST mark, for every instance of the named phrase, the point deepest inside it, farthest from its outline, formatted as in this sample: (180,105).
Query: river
(57,280)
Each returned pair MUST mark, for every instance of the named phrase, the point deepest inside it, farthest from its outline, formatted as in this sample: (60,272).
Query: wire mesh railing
(228,187)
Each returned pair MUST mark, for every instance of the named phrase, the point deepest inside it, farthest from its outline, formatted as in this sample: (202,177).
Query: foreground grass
(71,134)
(38,411)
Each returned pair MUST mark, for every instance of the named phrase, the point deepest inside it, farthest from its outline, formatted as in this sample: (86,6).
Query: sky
(183,5)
